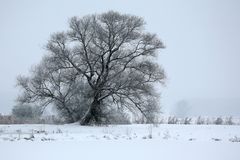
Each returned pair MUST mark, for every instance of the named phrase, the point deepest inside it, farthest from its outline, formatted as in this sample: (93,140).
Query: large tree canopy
(103,65)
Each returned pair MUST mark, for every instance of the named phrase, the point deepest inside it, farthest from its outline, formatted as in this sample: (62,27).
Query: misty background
(201,58)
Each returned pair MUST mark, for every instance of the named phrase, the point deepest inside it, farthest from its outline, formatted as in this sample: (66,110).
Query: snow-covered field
(167,142)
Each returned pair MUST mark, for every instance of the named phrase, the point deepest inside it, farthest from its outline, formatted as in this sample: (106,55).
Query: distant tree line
(28,114)
(200,120)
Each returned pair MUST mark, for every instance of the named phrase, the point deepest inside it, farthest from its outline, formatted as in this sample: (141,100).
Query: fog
(201,58)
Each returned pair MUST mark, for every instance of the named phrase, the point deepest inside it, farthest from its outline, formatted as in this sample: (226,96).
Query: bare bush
(200,120)
(218,121)
(172,120)
(229,121)
(187,120)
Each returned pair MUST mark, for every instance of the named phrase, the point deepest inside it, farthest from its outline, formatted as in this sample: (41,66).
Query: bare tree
(111,57)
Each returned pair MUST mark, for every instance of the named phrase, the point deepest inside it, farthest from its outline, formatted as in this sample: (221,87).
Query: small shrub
(150,130)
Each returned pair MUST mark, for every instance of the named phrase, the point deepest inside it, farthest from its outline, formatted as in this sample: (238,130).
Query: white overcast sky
(202,38)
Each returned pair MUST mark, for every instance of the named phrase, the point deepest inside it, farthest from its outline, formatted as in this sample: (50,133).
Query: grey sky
(202,39)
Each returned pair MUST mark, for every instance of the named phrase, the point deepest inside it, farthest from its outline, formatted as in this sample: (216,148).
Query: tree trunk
(68,115)
(91,114)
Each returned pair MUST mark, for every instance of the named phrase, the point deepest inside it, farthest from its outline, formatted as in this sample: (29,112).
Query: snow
(119,142)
